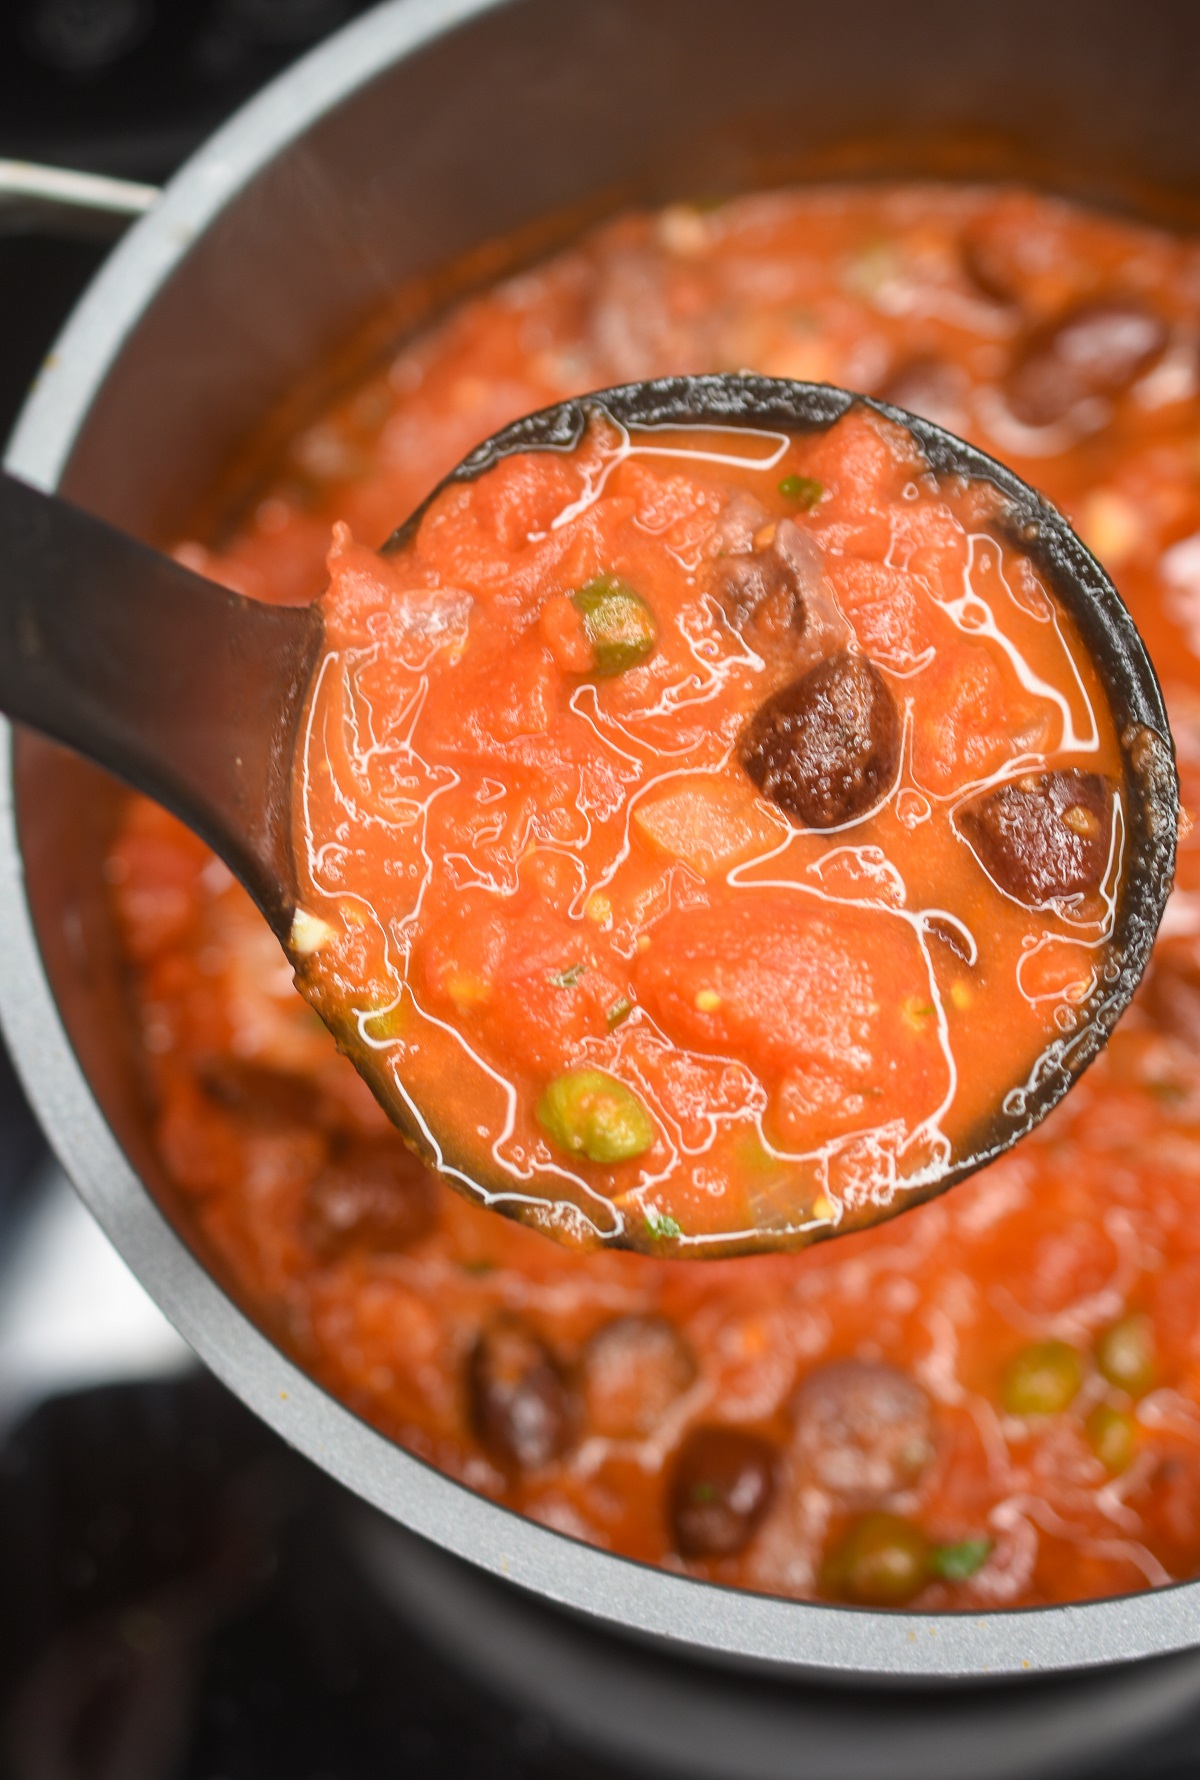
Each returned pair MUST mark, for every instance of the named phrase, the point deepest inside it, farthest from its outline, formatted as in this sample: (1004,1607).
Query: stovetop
(181,1596)
(179,1599)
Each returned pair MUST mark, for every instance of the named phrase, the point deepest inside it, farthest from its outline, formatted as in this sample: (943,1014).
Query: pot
(424,131)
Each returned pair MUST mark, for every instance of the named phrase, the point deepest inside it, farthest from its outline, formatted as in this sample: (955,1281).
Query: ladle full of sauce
(741,697)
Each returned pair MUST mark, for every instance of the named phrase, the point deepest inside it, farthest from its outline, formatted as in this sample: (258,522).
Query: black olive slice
(1095,349)
(825,748)
(779,578)
(1044,836)
(520,1406)
(722,1484)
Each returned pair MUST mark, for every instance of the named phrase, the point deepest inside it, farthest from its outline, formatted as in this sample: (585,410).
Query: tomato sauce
(705,831)
(992,1401)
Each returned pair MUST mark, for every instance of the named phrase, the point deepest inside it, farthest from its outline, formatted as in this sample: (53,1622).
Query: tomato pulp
(992,1401)
(705,831)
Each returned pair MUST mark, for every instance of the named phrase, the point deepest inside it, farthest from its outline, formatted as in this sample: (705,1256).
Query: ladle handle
(185,690)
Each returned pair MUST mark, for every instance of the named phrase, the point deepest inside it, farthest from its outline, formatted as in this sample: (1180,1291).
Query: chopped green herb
(806,491)
(955,1563)
(620,1010)
(479,1266)
(703,1492)
(926,1010)
(661,1223)
(567,979)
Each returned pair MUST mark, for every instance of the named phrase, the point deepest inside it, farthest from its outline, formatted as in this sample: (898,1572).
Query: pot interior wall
(536,109)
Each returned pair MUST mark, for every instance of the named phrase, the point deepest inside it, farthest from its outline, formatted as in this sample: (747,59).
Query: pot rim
(712,1622)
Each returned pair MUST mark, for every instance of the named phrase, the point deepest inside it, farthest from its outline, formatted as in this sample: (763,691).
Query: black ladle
(194,695)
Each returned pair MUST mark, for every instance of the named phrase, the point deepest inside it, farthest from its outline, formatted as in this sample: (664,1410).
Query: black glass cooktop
(178,1602)
(182,1597)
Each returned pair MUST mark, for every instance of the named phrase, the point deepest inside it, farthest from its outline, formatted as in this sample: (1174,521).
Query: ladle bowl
(1040,531)
(195,696)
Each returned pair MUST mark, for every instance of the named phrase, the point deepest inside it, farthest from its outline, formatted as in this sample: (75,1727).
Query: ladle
(194,695)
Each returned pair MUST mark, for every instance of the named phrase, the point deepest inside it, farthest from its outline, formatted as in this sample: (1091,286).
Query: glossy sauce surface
(705,832)
(993,1400)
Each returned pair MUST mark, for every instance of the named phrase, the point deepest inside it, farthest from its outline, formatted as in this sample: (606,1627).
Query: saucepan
(419,138)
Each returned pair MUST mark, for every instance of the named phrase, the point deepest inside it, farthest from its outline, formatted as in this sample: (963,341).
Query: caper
(1125,1354)
(588,1113)
(881,1561)
(806,491)
(1112,1434)
(618,624)
(1042,1379)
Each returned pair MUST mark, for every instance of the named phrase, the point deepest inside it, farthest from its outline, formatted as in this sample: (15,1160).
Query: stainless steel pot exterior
(425,129)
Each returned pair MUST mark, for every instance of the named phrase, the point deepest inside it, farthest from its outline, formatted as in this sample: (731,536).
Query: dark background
(126,87)
(131,86)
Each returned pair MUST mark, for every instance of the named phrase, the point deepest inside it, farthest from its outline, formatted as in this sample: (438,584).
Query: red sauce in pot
(704,831)
(994,1400)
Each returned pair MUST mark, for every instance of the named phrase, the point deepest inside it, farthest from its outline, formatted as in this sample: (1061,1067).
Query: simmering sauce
(993,1400)
(705,831)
